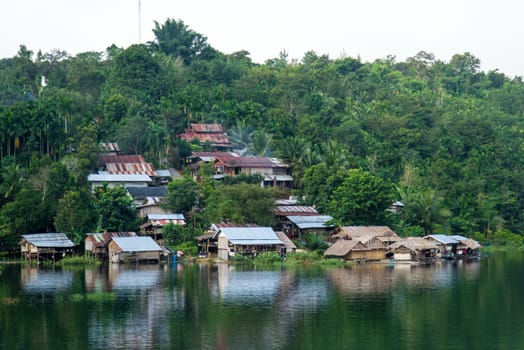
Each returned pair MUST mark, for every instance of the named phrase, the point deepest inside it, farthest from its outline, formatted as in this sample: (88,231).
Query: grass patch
(78,261)
(9,301)
(189,248)
(98,297)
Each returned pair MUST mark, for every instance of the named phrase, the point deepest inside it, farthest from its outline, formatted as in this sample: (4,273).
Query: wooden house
(412,249)
(154,226)
(283,211)
(289,246)
(114,180)
(382,233)
(348,250)
(96,244)
(134,249)
(447,245)
(273,172)
(212,134)
(46,246)
(208,244)
(466,247)
(148,200)
(246,240)
(301,225)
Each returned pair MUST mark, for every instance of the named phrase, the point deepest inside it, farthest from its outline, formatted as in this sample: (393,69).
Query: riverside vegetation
(443,137)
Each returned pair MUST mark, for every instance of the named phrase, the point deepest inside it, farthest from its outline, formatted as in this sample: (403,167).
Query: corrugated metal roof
(251,235)
(207,132)
(443,239)
(166,217)
(137,244)
(310,221)
(131,168)
(298,210)
(458,237)
(49,240)
(163,173)
(120,158)
(102,238)
(110,146)
(118,178)
(207,127)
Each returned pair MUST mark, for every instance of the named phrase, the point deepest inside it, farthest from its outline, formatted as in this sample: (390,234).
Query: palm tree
(333,154)
(424,208)
(241,134)
(260,145)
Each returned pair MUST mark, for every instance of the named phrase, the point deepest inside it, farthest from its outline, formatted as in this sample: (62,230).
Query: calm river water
(477,305)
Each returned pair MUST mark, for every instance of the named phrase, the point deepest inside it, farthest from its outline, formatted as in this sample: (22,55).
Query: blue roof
(458,237)
(49,240)
(137,244)
(118,178)
(166,217)
(443,239)
(251,235)
(311,221)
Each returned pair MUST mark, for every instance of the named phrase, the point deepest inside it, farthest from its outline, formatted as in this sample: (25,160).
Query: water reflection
(225,307)
(381,279)
(36,280)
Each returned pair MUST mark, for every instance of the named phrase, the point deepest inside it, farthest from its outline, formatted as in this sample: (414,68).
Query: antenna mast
(139,22)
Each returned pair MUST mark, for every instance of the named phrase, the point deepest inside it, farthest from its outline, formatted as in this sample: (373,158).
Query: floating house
(46,246)
(413,249)
(134,249)
(382,233)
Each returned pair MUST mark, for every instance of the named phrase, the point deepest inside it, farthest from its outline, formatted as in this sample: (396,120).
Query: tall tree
(177,39)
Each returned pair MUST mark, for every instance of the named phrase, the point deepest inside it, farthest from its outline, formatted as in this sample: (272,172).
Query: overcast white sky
(490,30)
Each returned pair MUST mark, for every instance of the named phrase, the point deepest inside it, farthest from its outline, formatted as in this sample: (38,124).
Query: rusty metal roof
(101,239)
(295,210)
(120,158)
(131,168)
(207,127)
(110,147)
(207,132)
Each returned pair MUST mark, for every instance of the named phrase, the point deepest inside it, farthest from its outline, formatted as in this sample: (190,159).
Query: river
(448,305)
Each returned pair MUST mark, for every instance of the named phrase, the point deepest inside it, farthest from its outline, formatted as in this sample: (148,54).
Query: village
(222,241)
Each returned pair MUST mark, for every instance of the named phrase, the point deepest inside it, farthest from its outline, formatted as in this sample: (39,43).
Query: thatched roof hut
(383,233)
(347,249)
(412,248)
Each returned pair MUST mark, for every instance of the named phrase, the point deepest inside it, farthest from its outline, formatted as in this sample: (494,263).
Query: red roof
(131,168)
(133,158)
(207,128)
(212,133)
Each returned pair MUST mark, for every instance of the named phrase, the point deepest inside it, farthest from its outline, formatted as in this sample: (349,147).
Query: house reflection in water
(382,279)
(35,280)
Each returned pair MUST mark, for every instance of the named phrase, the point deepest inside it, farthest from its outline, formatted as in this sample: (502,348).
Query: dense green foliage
(446,135)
